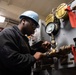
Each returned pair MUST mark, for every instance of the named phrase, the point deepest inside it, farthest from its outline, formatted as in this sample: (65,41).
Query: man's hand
(46,45)
(38,55)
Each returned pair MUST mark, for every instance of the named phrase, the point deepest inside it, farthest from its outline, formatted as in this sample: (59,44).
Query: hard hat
(32,15)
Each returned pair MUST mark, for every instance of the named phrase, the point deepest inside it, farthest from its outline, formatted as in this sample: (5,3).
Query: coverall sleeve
(14,60)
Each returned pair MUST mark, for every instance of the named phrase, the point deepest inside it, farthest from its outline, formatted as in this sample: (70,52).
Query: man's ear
(23,21)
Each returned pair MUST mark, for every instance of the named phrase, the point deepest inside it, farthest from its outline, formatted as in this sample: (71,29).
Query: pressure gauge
(52,28)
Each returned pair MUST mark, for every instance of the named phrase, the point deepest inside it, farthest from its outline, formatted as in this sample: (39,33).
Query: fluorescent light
(2,19)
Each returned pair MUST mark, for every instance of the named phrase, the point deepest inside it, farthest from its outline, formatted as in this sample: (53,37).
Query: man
(16,56)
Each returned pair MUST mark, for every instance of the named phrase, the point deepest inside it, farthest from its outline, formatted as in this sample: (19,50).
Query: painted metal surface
(63,38)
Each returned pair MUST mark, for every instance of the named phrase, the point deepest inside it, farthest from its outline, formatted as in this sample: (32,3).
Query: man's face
(29,27)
